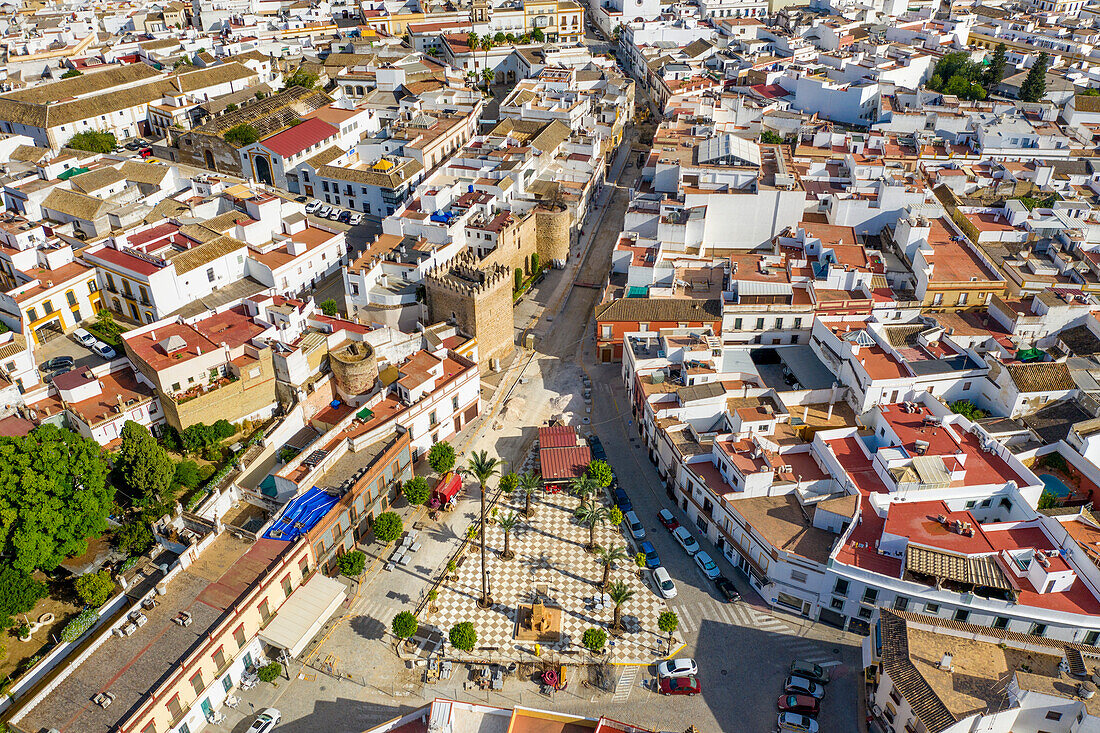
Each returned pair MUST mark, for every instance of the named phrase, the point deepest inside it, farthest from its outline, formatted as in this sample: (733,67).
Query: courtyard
(549,565)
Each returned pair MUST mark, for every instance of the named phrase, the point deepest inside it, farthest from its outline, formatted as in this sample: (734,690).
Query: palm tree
(620,593)
(584,486)
(487,76)
(529,483)
(481,468)
(486,44)
(508,523)
(590,513)
(608,556)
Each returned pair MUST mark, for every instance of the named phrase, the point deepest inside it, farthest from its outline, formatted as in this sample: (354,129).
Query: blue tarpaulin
(301,514)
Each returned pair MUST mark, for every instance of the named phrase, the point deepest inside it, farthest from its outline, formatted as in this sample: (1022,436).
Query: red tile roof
(557,436)
(560,464)
(300,137)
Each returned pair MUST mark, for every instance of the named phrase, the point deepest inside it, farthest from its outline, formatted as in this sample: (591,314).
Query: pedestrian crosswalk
(625,685)
(692,616)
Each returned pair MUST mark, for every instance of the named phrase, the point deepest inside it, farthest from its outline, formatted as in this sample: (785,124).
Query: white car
(682,667)
(797,722)
(102,349)
(637,531)
(84,337)
(356,219)
(663,582)
(312,206)
(801,686)
(686,540)
(708,566)
(266,721)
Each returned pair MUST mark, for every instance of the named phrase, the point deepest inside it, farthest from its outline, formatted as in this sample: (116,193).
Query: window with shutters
(174,707)
(219,657)
(238,636)
(265,610)
(286,586)
(196,682)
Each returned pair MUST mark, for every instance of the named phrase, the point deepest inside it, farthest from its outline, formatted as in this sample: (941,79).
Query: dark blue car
(598,453)
(622,500)
(652,559)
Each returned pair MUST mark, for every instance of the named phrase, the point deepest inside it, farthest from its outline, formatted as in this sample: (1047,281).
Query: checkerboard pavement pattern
(549,550)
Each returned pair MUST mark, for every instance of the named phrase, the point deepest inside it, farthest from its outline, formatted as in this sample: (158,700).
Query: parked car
(678,686)
(708,566)
(799,704)
(334,214)
(58,363)
(652,559)
(801,686)
(344,216)
(728,590)
(102,349)
(686,540)
(637,531)
(811,671)
(312,206)
(668,520)
(266,721)
(663,581)
(594,444)
(84,337)
(146,152)
(797,721)
(622,500)
(356,219)
(682,667)
(301,199)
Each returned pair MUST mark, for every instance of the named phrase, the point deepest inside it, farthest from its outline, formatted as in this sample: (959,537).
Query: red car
(678,686)
(799,704)
(146,152)
(668,520)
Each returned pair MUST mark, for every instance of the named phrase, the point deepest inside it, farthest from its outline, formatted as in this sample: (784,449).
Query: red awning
(448,487)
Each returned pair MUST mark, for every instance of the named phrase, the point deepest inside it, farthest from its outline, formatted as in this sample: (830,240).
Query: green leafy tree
(600,471)
(1047,500)
(591,513)
(538,36)
(300,78)
(529,483)
(967,409)
(507,523)
(770,138)
(441,457)
(72,73)
(144,469)
(330,307)
(668,622)
(95,588)
(620,593)
(223,429)
(187,474)
(480,467)
(996,69)
(404,625)
(388,527)
(269,672)
(639,559)
(54,495)
(134,537)
(518,278)
(607,558)
(463,636)
(416,490)
(615,516)
(351,564)
(1034,87)
(594,639)
(499,38)
(241,135)
(93,141)
(508,483)
(18,594)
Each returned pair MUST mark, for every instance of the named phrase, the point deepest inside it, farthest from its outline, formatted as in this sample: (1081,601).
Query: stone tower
(552,233)
(478,299)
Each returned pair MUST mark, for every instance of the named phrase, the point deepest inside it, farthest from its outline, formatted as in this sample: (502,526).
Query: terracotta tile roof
(926,704)
(1040,377)
(647,310)
(558,464)
(299,137)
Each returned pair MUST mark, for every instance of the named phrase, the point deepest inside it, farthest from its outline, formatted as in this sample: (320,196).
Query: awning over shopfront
(304,613)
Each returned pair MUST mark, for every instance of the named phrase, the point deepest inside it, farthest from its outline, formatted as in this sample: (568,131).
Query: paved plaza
(549,553)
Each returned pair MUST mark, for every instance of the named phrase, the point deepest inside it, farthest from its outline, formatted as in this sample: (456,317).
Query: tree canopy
(300,78)
(388,527)
(241,135)
(93,141)
(463,636)
(996,69)
(95,588)
(1034,87)
(404,625)
(54,495)
(18,594)
(144,469)
(956,74)
(416,490)
(601,472)
(441,457)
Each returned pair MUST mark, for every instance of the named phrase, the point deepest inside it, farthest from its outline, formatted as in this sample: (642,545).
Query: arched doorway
(263,170)
(209,159)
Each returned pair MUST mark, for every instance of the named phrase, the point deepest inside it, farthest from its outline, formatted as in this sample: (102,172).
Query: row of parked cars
(60,364)
(335,213)
(800,702)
